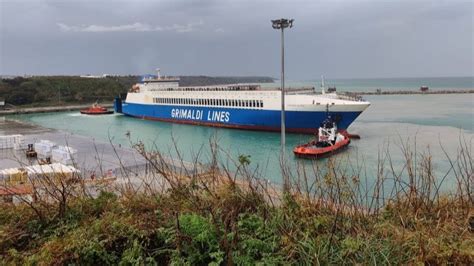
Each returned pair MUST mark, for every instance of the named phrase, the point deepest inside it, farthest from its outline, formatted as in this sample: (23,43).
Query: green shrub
(259,241)
(199,241)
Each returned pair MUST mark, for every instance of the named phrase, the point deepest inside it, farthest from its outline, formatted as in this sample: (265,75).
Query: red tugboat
(329,142)
(96,109)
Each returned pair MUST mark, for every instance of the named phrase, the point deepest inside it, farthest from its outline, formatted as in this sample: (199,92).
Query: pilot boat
(329,141)
(96,109)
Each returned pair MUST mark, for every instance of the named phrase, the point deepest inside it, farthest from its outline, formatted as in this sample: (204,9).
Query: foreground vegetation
(208,215)
(57,90)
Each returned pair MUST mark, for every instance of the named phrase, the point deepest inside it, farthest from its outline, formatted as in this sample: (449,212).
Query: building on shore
(95,76)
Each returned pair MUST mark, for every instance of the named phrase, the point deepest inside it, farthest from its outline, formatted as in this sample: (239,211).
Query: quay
(47,109)
(94,157)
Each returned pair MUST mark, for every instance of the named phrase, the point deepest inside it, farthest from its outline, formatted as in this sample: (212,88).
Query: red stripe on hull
(253,128)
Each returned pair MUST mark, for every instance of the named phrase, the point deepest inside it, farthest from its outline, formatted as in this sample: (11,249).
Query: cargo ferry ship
(239,106)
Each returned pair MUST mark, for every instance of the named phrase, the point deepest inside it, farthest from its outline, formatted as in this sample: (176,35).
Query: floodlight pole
(281,24)
(282,74)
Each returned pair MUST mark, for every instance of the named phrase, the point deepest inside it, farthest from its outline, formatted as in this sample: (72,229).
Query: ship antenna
(322,85)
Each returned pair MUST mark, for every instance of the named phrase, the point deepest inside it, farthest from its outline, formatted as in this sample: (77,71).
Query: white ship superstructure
(244,106)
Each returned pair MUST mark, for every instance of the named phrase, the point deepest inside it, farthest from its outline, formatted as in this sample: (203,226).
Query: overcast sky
(338,39)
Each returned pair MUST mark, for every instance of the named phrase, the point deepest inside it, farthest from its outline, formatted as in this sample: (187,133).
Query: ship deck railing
(350,97)
(230,87)
(162,78)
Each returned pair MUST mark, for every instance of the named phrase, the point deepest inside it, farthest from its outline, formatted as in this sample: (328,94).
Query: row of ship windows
(218,102)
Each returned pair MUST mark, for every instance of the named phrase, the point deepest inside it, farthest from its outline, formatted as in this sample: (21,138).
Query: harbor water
(436,123)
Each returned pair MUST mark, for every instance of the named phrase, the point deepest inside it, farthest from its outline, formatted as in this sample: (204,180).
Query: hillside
(60,90)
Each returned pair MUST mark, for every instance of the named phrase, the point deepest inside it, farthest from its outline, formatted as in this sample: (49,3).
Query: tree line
(57,90)
(61,89)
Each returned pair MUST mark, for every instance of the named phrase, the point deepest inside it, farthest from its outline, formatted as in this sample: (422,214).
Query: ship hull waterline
(304,122)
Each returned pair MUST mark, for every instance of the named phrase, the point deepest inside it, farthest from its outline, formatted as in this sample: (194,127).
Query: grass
(207,215)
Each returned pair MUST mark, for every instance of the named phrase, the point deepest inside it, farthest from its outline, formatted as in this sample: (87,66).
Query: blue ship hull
(251,119)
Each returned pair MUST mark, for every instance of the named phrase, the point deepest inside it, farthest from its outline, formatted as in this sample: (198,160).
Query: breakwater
(407,92)
(312,90)
(47,109)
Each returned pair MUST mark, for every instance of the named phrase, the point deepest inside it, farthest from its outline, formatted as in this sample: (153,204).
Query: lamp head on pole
(282,23)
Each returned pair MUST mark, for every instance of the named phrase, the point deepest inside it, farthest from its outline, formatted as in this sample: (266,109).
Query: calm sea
(434,122)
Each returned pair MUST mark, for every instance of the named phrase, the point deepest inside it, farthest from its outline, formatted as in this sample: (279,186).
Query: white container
(44,147)
(63,154)
(20,146)
(9,141)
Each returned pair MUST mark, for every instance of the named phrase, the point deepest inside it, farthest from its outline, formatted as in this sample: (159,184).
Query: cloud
(184,28)
(100,28)
(350,38)
(135,27)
